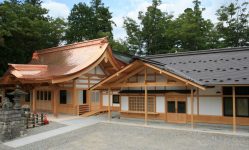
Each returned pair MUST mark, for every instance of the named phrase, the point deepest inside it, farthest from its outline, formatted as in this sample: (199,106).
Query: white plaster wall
(82,86)
(82,81)
(210,106)
(68,97)
(124,103)
(99,70)
(211,91)
(80,97)
(160,104)
(189,105)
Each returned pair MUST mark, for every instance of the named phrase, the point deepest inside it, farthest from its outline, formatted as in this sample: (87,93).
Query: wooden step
(94,112)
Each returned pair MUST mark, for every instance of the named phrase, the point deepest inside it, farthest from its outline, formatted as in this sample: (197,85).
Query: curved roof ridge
(73,45)
(198,52)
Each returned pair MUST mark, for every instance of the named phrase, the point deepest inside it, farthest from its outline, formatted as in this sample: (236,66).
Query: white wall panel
(160,104)
(82,86)
(124,103)
(189,105)
(210,106)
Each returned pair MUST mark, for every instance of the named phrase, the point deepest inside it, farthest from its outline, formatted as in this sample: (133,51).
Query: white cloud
(56,9)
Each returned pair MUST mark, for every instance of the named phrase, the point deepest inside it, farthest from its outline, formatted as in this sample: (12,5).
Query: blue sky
(130,8)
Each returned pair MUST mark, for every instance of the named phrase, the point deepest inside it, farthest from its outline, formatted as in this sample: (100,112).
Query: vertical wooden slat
(146,105)
(145,97)
(198,101)
(34,100)
(234,111)
(192,108)
(55,99)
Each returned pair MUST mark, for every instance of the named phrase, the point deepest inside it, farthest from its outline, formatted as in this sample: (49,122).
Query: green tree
(193,31)
(89,22)
(25,27)
(148,36)
(233,24)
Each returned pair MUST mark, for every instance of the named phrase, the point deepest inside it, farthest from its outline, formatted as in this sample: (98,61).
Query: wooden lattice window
(136,103)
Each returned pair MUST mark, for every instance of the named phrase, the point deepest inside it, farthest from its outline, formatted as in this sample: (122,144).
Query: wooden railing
(83,109)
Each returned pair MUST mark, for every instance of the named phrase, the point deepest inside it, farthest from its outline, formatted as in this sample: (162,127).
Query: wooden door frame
(176,99)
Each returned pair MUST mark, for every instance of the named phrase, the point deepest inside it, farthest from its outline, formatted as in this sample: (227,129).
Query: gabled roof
(207,67)
(58,62)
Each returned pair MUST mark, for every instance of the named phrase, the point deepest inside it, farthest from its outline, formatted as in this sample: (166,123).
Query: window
(136,103)
(241,101)
(63,96)
(115,99)
(95,96)
(242,109)
(238,90)
(45,95)
(181,107)
(41,95)
(84,96)
(228,106)
(27,97)
(171,107)
(38,95)
(49,95)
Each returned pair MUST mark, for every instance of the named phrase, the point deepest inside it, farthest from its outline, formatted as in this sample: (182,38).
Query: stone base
(12,124)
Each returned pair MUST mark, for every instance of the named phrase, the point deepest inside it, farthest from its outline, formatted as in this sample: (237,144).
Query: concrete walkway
(198,127)
(73,124)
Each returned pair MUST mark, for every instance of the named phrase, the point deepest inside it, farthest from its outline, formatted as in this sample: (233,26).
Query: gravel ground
(36,130)
(113,136)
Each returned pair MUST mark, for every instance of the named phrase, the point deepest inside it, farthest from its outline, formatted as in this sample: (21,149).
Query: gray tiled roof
(207,67)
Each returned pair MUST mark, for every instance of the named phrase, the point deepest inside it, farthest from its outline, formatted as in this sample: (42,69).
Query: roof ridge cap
(198,52)
(73,45)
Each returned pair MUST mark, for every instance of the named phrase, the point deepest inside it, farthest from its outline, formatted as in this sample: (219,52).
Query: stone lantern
(17,93)
(12,121)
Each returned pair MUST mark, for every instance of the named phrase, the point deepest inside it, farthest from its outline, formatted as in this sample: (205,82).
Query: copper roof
(61,61)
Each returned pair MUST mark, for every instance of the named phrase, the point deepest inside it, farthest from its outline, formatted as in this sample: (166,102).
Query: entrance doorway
(95,100)
(43,100)
(176,109)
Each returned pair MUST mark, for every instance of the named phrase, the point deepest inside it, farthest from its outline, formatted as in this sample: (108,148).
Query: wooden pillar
(198,101)
(55,101)
(234,111)
(34,100)
(75,102)
(145,105)
(192,108)
(145,98)
(109,103)
(89,97)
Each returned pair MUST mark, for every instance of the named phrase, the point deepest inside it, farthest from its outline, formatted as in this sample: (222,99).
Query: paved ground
(104,136)
(98,133)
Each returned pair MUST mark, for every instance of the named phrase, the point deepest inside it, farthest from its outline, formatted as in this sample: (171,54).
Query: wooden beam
(148,84)
(234,111)
(127,76)
(114,75)
(192,108)
(175,76)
